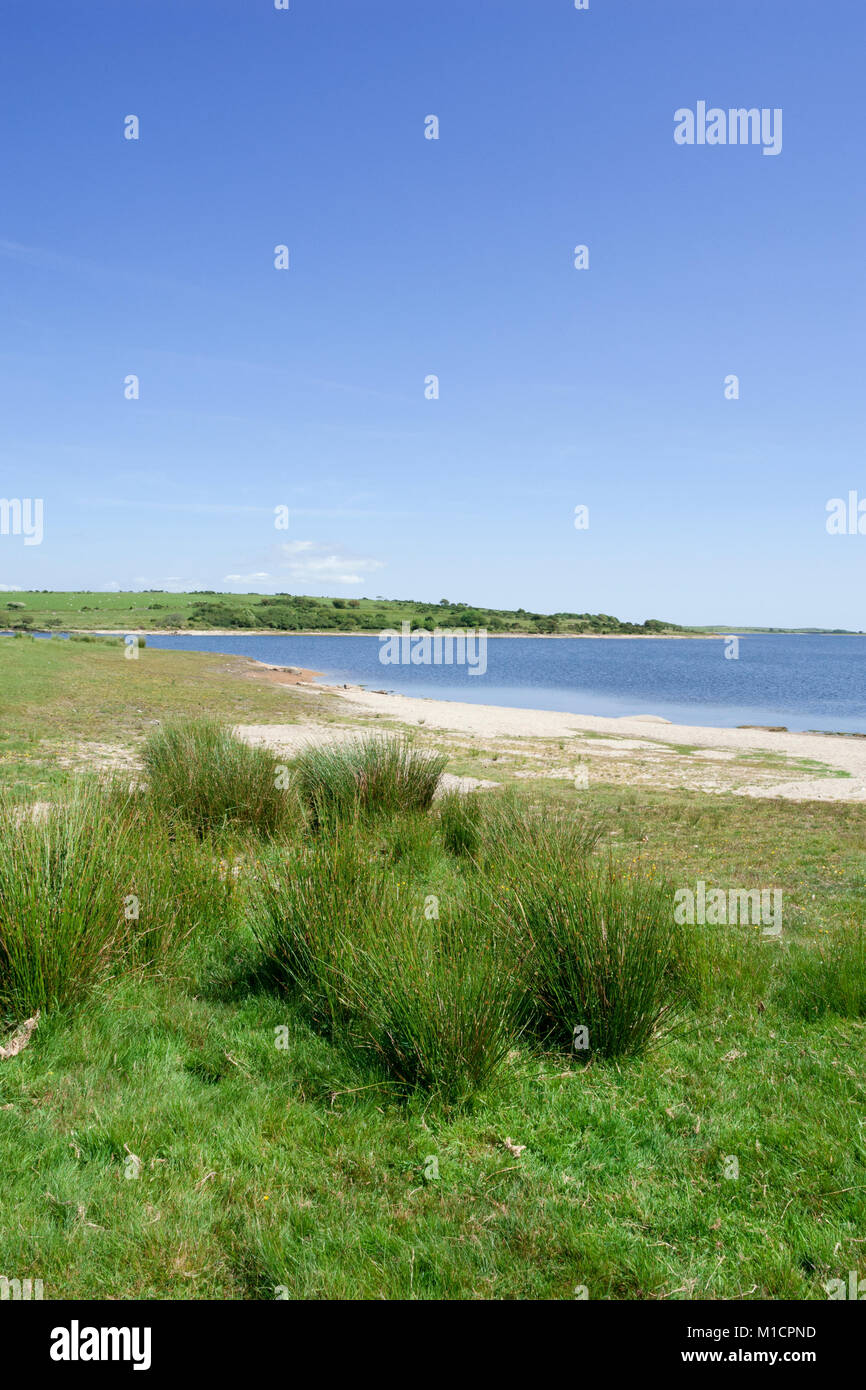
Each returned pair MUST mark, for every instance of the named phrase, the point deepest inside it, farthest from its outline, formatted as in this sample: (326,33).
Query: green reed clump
(599,939)
(366,778)
(440,998)
(90,887)
(176,892)
(201,774)
(461,823)
(305,911)
(829,978)
(409,843)
(519,840)
(61,905)
(428,987)
(602,950)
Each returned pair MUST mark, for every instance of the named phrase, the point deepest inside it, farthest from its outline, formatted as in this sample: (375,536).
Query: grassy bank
(64,703)
(305,1087)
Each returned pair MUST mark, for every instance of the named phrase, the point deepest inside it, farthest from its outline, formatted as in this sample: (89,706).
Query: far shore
(716,636)
(329,632)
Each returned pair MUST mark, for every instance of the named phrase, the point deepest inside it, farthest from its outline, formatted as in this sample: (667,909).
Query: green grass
(734,966)
(830,978)
(263,1168)
(287,1143)
(93,702)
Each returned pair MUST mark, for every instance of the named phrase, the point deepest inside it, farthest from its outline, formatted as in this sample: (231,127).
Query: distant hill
(789,631)
(155,610)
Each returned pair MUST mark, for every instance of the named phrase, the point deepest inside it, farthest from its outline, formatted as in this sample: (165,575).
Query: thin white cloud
(239,508)
(11,589)
(245,578)
(42,259)
(173,584)
(312,561)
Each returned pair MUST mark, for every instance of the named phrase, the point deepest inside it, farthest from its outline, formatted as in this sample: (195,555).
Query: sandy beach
(641,748)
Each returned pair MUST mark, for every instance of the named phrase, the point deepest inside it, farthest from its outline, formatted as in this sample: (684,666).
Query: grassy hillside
(157,611)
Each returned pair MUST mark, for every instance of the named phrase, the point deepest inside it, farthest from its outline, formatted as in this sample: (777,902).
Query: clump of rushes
(174,890)
(61,912)
(366,778)
(460,820)
(201,774)
(305,912)
(429,988)
(88,887)
(520,840)
(440,1000)
(409,843)
(602,956)
(830,978)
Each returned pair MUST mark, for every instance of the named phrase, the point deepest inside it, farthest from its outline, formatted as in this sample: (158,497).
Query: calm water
(802,682)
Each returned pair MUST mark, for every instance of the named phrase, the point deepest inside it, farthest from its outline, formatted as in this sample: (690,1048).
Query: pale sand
(289,739)
(631,735)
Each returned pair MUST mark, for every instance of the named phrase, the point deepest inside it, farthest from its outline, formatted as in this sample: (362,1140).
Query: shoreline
(287,674)
(284,675)
(491,636)
(844,754)
(716,635)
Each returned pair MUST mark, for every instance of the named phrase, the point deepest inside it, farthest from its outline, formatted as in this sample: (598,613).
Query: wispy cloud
(189,507)
(173,584)
(238,508)
(311,560)
(48,260)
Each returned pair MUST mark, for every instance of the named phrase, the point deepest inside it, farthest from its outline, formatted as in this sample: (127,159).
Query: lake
(804,682)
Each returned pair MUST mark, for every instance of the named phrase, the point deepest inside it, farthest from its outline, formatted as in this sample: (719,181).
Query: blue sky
(411,257)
